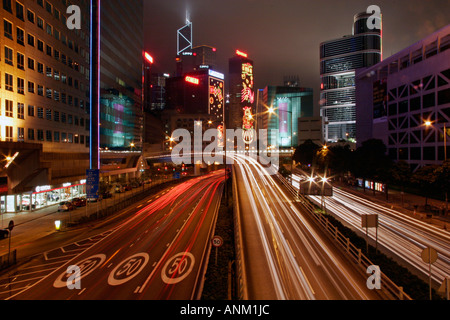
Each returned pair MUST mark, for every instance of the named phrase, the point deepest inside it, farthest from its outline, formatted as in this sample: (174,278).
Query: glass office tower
(339,59)
(121,111)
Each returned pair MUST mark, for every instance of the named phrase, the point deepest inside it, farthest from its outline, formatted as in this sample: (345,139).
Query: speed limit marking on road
(178,268)
(217,241)
(86,267)
(128,269)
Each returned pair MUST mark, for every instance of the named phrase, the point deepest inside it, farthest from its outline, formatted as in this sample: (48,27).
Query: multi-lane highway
(404,236)
(159,253)
(286,256)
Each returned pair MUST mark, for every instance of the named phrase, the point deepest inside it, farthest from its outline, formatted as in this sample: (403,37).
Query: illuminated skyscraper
(242,92)
(121,111)
(44,102)
(339,59)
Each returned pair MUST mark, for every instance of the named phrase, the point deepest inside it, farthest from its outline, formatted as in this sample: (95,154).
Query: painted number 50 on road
(178,268)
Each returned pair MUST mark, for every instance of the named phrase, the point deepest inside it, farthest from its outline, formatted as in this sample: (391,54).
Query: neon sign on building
(216,102)
(248,98)
(192,80)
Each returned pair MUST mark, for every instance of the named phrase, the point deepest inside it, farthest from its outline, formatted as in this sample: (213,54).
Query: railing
(387,285)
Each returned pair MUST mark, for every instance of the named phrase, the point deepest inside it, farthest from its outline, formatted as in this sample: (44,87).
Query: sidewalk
(413,205)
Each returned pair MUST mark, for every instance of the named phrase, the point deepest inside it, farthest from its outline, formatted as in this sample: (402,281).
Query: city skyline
(404,23)
(141,161)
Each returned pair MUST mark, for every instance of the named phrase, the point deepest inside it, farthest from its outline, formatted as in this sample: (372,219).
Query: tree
(340,159)
(442,176)
(306,152)
(401,174)
(371,162)
(425,178)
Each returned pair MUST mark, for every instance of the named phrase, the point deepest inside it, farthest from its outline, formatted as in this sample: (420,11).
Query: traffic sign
(429,255)
(369,220)
(11,225)
(92,182)
(217,241)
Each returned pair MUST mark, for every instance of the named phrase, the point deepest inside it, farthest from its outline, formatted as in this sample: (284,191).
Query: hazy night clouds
(282,36)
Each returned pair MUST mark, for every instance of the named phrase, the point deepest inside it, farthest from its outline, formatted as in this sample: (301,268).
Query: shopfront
(43,196)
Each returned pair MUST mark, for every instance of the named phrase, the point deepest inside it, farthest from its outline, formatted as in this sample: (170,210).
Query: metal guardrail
(387,285)
(241,277)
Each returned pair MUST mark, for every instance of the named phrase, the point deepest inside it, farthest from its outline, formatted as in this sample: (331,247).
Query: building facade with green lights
(280,109)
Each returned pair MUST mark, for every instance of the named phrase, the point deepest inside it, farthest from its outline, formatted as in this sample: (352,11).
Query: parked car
(65,206)
(95,200)
(128,187)
(79,202)
(4,233)
(119,189)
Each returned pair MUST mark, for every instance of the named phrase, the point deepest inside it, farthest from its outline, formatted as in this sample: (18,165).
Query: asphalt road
(286,256)
(401,235)
(159,253)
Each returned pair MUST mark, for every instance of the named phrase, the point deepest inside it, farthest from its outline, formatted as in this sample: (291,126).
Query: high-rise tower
(241,90)
(339,59)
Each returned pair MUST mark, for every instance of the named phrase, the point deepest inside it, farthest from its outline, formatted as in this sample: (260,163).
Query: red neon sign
(242,54)
(192,80)
(148,57)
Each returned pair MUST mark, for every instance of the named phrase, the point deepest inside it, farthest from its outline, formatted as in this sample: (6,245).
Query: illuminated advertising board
(216,97)
(216,104)
(192,80)
(247,99)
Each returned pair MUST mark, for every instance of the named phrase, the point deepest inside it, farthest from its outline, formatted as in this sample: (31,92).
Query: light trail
(302,264)
(402,235)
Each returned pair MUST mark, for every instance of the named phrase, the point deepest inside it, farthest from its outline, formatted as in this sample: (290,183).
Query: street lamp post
(430,124)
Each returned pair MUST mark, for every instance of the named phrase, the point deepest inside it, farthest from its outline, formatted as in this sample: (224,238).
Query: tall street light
(430,124)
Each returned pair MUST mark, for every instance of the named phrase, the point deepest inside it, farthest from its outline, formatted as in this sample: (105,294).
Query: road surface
(286,256)
(159,253)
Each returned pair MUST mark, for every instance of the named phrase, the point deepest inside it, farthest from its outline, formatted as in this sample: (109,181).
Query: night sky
(282,36)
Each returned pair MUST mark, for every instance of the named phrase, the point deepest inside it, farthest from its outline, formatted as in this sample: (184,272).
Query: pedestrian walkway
(410,204)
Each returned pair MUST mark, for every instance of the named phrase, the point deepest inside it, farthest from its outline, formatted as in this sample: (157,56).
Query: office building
(310,128)
(45,105)
(196,59)
(339,58)
(46,101)
(280,109)
(405,101)
(195,96)
(121,109)
(241,92)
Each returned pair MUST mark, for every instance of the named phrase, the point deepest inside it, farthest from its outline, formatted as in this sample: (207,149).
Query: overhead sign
(92,182)
(369,220)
